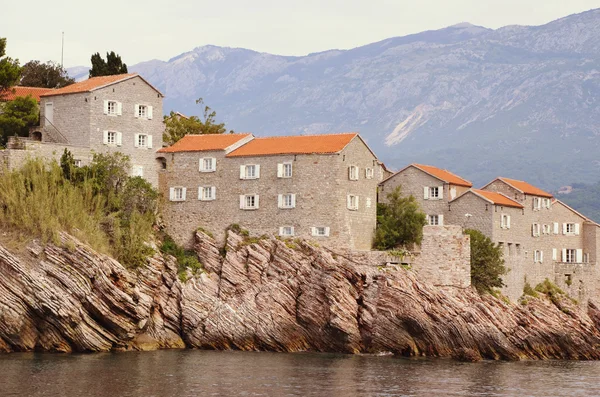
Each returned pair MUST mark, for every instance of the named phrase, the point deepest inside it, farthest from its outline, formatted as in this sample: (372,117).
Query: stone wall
(320,183)
(15,158)
(80,118)
(444,258)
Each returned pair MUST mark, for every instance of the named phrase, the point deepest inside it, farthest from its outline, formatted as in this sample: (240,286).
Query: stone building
(321,187)
(433,188)
(541,237)
(120,113)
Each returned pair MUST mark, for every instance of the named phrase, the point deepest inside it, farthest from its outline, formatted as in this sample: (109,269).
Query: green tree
(487,264)
(17,116)
(112,65)
(47,75)
(399,222)
(10,71)
(177,126)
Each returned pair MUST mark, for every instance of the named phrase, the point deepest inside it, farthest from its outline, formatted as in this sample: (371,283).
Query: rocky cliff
(269,295)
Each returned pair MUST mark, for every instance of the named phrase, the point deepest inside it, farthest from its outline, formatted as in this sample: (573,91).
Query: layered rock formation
(270,295)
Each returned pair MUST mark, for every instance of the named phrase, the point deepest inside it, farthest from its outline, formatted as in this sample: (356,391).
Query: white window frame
(369,172)
(245,199)
(285,170)
(538,256)
(202,164)
(286,201)
(433,220)
(535,230)
(505,221)
(320,231)
(147,141)
(571,229)
(353,172)
(352,202)
(111,138)
(203,190)
(142,111)
(245,174)
(428,192)
(177,193)
(570,255)
(286,231)
(78,163)
(545,229)
(112,108)
(537,203)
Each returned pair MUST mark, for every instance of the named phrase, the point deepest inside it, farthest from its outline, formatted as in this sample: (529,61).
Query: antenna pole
(62,51)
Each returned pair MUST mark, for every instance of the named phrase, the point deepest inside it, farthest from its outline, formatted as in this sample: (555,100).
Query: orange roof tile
(91,84)
(302,144)
(525,187)
(204,143)
(13,92)
(497,198)
(444,175)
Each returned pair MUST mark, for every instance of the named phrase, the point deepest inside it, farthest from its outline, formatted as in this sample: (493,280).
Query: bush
(487,265)
(99,204)
(399,222)
(185,259)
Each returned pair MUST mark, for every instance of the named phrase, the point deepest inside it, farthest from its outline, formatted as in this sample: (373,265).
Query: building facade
(541,237)
(322,188)
(121,113)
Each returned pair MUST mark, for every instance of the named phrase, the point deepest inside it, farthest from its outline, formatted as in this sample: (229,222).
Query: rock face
(270,295)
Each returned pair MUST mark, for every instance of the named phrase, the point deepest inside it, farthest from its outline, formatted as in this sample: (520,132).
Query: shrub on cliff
(399,222)
(99,204)
(487,264)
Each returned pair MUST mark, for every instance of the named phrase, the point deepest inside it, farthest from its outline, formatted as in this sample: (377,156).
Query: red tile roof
(12,93)
(525,187)
(497,198)
(303,144)
(91,84)
(204,143)
(443,175)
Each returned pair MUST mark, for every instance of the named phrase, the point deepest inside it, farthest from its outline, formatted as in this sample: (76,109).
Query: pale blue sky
(152,29)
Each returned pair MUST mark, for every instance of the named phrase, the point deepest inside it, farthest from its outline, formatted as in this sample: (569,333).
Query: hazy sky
(159,29)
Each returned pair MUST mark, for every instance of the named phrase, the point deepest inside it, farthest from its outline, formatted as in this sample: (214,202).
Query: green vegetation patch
(186,259)
(99,204)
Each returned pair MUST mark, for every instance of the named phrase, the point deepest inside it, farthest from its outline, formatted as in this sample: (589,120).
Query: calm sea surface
(207,373)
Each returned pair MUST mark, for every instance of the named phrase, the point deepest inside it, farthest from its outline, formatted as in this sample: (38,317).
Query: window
(207,193)
(586,258)
(284,170)
(286,231)
(433,220)
(546,229)
(353,173)
(78,163)
(249,201)
(208,164)
(137,170)
(369,173)
(250,171)
(538,256)
(112,138)
(143,112)
(546,203)
(286,200)
(143,141)
(433,192)
(535,230)
(537,203)
(320,231)
(368,202)
(177,194)
(352,202)
(505,221)
(571,228)
(112,107)
(569,255)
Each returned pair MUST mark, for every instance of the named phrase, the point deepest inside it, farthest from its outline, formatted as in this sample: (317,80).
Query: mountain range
(518,101)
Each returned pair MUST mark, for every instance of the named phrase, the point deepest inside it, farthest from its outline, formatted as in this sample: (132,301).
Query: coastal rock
(271,295)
